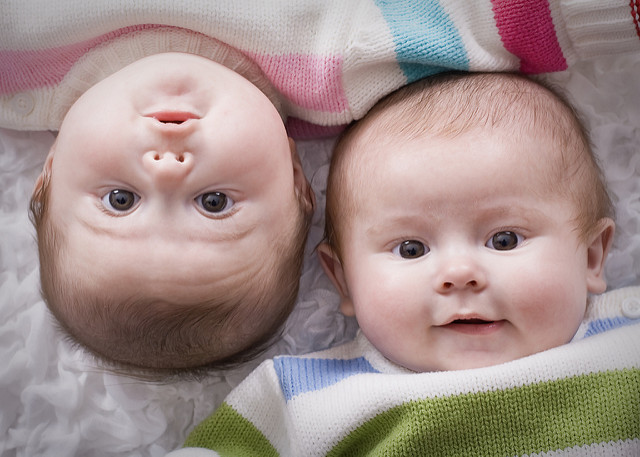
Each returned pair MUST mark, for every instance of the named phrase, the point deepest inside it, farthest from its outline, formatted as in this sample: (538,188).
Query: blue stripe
(427,42)
(298,375)
(602,325)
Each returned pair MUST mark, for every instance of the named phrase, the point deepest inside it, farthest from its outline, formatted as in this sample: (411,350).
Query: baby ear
(333,268)
(45,173)
(597,249)
(302,186)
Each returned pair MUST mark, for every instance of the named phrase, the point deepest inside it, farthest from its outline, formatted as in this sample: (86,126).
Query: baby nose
(168,168)
(459,274)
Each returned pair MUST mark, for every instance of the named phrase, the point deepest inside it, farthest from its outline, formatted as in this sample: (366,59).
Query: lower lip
(475,329)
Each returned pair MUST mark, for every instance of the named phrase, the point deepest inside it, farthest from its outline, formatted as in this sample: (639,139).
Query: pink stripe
(312,82)
(25,70)
(527,31)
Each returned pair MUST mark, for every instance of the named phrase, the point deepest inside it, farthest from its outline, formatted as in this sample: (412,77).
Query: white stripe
(477,28)
(265,401)
(339,409)
(594,28)
(370,67)
(560,26)
(282,26)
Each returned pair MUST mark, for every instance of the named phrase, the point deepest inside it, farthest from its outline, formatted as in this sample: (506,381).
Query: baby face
(172,177)
(458,255)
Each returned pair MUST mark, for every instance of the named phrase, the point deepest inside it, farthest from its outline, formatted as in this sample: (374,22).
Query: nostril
(179,158)
(447,285)
(472,283)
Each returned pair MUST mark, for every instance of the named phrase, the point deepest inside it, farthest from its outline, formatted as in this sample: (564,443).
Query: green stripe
(230,434)
(552,415)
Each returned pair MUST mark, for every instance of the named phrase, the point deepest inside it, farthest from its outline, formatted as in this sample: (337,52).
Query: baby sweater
(324,63)
(582,398)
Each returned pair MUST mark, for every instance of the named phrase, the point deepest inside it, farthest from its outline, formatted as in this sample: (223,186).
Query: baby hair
(453,103)
(159,341)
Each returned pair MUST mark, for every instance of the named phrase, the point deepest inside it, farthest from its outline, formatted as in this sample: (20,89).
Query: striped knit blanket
(328,61)
(582,398)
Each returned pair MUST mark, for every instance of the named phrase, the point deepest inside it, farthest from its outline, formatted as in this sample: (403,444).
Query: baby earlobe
(303,189)
(346,307)
(332,266)
(597,251)
(45,174)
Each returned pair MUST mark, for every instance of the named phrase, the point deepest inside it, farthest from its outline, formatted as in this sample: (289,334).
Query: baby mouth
(474,326)
(173,117)
(471,321)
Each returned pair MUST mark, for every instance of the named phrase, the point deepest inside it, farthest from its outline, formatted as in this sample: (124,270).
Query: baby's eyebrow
(485,214)
(392,223)
(225,233)
(526,212)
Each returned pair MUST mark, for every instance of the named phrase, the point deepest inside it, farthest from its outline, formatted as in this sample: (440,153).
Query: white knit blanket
(572,400)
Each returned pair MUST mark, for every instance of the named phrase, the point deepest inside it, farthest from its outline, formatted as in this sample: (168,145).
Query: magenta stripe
(26,70)
(635,14)
(527,31)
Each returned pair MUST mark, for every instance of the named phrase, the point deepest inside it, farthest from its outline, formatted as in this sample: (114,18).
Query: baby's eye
(505,241)
(119,200)
(214,202)
(410,249)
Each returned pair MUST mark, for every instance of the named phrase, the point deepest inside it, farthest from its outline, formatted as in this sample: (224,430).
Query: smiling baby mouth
(471,321)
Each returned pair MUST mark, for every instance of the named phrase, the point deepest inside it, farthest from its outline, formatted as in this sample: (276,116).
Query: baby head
(467,222)
(171,215)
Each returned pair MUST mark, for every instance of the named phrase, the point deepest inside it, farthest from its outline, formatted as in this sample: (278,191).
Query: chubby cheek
(548,302)
(387,302)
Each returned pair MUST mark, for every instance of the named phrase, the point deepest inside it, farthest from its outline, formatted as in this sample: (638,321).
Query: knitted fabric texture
(577,399)
(324,64)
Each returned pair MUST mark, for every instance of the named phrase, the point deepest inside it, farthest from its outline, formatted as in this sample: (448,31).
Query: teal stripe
(426,39)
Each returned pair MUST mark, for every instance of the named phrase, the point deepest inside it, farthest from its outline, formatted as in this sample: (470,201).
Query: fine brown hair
(162,341)
(450,104)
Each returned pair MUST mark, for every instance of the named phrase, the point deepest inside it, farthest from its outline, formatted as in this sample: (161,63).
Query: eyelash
(111,213)
(221,216)
(518,231)
(230,206)
(521,238)
(402,239)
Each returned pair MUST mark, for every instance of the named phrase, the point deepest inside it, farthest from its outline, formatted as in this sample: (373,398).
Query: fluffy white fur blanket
(53,401)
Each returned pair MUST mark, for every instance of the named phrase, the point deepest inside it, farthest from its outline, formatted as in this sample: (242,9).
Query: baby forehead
(542,131)
(449,105)
(509,150)
(436,167)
